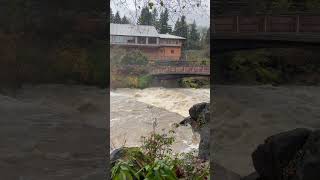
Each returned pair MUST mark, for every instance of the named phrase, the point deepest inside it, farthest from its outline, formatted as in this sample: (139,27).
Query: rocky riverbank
(289,155)
(245,116)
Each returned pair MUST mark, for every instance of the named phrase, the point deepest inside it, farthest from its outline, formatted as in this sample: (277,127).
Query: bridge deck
(294,37)
(182,70)
(302,28)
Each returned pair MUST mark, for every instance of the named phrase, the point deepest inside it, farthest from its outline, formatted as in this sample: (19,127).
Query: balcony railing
(132,44)
(179,63)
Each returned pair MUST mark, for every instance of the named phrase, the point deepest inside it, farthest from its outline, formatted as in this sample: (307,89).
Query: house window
(142,40)
(172,51)
(122,39)
(152,40)
(131,40)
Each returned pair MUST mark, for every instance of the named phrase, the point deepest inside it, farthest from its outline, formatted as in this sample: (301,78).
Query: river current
(134,111)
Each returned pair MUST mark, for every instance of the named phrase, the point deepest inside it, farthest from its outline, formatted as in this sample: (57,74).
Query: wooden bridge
(245,32)
(184,70)
(180,69)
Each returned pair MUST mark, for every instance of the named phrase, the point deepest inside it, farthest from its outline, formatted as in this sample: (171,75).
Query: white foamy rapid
(174,100)
(133,112)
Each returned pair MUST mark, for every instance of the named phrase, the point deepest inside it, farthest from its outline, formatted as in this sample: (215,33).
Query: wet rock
(221,173)
(270,158)
(199,120)
(308,168)
(197,109)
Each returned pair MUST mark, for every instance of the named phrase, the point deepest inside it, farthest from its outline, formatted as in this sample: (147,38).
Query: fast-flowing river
(134,111)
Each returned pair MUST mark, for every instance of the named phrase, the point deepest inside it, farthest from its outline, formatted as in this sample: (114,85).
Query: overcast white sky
(200,14)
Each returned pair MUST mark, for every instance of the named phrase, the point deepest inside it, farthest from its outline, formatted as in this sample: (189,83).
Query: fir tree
(164,26)
(145,17)
(111,16)
(125,20)
(117,18)
(194,37)
(155,20)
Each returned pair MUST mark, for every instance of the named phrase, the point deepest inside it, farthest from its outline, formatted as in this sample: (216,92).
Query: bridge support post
(237,24)
(265,23)
(297,24)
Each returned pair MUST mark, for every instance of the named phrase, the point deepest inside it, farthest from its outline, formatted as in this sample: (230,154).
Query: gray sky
(200,13)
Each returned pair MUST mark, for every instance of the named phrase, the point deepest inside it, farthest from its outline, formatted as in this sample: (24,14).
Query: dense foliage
(52,42)
(155,160)
(129,69)
(268,66)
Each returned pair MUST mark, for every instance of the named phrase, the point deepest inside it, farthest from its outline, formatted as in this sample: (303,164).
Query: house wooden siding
(170,53)
(146,39)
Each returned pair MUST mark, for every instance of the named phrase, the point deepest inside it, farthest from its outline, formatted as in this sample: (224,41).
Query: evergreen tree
(111,16)
(194,37)
(164,26)
(125,20)
(181,29)
(145,17)
(177,28)
(117,18)
(184,27)
(155,20)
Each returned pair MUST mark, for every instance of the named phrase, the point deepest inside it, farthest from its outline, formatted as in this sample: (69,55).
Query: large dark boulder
(220,173)
(308,165)
(199,120)
(271,158)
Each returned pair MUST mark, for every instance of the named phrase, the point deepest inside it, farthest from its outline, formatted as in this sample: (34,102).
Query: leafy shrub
(144,81)
(158,146)
(134,58)
(202,57)
(155,160)
(193,168)
(194,82)
(252,67)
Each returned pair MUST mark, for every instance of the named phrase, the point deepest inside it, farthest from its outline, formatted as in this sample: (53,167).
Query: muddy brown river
(133,112)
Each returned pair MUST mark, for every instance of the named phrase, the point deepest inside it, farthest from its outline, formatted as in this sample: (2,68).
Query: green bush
(144,81)
(194,82)
(155,160)
(134,58)
(129,69)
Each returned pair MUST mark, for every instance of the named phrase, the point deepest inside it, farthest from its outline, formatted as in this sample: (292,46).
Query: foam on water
(133,110)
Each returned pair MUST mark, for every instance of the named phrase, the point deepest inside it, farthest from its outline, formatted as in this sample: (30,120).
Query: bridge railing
(267,24)
(200,70)
(180,63)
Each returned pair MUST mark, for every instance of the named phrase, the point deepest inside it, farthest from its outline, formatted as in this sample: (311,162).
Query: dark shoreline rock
(221,173)
(308,167)
(271,158)
(290,155)
(199,120)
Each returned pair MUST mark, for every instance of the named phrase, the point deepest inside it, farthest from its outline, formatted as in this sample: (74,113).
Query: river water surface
(133,112)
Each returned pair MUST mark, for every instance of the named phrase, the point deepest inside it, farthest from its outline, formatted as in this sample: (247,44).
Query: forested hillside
(52,41)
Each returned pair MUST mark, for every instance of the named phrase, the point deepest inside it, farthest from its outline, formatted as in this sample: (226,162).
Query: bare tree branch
(176,8)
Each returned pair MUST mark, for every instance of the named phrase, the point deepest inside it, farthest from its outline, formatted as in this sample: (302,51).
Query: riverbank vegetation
(129,69)
(269,66)
(65,44)
(155,160)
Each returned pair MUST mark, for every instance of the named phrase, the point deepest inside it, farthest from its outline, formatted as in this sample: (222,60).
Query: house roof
(138,30)
(133,30)
(169,36)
